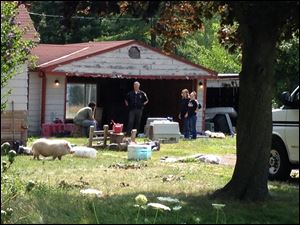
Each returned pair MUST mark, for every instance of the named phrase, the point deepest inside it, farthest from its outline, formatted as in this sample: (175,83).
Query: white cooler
(149,121)
(164,130)
(139,152)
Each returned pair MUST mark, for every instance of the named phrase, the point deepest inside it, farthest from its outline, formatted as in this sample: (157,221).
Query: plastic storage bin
(164,130)
(139,152)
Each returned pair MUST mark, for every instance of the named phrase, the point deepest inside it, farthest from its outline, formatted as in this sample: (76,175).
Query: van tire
(279,165)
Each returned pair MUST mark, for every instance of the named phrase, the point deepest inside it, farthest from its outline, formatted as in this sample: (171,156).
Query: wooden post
(133,135)
(91,135)
(105,135)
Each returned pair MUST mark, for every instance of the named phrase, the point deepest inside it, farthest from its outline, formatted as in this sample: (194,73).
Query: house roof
(52,56)
(25,23)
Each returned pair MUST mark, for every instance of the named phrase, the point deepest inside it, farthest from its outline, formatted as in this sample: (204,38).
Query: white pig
(54,148)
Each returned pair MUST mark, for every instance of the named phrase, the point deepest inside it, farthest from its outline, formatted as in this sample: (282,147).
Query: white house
(68,76)
(14,119)
(104,72)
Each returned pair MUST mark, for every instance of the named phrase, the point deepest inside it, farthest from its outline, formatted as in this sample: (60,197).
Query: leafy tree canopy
(286,67)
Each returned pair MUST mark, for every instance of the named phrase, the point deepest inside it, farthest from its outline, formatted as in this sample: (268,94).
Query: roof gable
(53,55)
(111,59)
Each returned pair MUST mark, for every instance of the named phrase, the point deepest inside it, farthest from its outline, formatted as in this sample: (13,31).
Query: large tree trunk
(254,127)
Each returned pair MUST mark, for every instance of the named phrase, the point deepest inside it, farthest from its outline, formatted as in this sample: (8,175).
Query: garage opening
(109,94)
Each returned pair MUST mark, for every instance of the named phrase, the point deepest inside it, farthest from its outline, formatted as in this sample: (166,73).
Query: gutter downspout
(204,103)
(65,100)
(43,100)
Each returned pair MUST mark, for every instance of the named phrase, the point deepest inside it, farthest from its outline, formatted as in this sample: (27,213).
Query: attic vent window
(134,53)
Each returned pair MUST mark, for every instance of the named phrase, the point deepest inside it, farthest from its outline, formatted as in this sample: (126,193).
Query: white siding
(200,112)
(222,82)
(55,98)
(34,111)
(19,89)
(117,62)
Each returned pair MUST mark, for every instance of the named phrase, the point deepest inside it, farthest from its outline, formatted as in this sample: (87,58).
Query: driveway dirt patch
(229,159)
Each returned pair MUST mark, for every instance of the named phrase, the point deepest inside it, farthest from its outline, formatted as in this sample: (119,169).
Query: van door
(292,129)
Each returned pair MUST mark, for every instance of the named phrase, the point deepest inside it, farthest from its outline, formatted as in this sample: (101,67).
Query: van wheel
(279,165)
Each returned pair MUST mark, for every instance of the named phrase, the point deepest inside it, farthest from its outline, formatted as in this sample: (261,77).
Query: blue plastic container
(139,152)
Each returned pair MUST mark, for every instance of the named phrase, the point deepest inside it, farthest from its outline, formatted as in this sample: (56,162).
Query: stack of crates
(70,127)
(46,130)
(57,128)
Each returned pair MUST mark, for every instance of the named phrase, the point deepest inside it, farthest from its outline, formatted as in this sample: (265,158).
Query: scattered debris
(79,184)
(24,150)
(85,152)
(5,147)
(215,134)
(122,184)
(113,146)
(295,173)
(198,157)
(159,206)
(171,177)
(168,199)
(209,159)
(91,192)
(155,145)
(127,166)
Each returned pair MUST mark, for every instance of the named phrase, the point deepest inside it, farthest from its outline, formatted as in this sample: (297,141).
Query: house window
(78,96)
(134,53)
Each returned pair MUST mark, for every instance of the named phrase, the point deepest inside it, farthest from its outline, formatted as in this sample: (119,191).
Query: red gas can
(117,127)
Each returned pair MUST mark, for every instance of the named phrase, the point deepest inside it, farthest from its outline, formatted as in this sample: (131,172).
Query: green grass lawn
(56,197)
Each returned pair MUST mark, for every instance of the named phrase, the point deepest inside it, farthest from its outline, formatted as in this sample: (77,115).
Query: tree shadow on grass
(66,206)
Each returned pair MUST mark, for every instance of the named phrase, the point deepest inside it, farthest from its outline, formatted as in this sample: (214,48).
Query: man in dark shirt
(135,100)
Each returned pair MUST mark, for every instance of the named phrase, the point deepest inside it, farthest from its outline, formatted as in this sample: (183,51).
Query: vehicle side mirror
(286,98)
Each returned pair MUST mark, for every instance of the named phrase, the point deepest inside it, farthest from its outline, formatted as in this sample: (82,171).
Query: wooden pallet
(99,136)
(14,126)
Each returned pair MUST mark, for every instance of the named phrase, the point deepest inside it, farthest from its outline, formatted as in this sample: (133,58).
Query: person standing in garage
(183,114)
(193,107)
(135,100)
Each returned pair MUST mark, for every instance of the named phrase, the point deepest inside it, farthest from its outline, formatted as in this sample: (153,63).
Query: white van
(284,155)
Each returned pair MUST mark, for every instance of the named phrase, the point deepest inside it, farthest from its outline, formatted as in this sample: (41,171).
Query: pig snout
(69,149)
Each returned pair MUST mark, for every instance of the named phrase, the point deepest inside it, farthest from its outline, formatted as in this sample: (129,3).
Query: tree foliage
(57,24)
(204,48)
(14,50)
(115,28)
(286,67)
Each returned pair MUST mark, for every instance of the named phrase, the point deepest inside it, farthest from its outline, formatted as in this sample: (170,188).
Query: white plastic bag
(85,152)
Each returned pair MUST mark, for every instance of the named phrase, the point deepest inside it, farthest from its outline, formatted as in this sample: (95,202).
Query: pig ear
(66,145)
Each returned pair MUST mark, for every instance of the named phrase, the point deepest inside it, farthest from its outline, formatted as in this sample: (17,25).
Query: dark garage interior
(164,97)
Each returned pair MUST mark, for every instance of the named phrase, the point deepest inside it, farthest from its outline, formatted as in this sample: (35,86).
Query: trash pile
(198,157)
(214,134)
(127,166)
(91,192)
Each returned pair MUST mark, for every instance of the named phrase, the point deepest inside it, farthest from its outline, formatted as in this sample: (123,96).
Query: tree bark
(254,126)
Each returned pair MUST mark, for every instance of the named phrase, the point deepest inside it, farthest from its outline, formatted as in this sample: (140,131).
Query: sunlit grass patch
(56,196)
